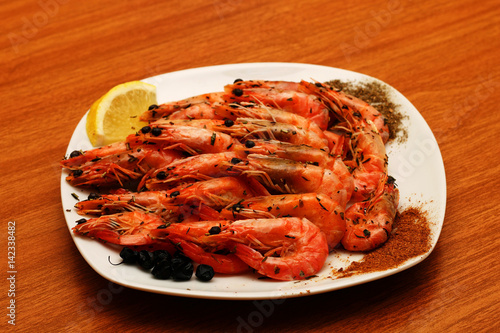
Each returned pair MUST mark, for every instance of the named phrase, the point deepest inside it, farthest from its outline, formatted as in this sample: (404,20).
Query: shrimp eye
(228,123)
(249,144)
(161,175)
(237,80)
(145,129)
(153,106)
(237,207)
(93,196)
(80,221)
(77,173)
(156,131)
(214,230)
(237,92)
(235,160)
(75,153)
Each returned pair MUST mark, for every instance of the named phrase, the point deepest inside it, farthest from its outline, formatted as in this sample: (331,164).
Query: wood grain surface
(59,56)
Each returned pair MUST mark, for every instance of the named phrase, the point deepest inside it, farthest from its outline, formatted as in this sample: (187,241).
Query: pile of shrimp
(264,175)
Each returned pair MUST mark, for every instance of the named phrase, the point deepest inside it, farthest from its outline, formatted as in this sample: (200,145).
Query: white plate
(416,164)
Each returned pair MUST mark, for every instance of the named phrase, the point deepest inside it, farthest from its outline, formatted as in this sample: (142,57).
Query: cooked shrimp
(156,112)
(119,168)
(347,107)
(217,192)
(137,229)
(196,111)
(192,231)
(367,131)
(284,248)
(320,209)
(303,104)
(269,84)
(188,237)
(131,228)
(276,174)
(178,203)
(206,123)
(238,111)
(369,163)
(189,169)
(243,129)
(191,139)
(369,223)
(300,153)
(221,263)
(152,201)
(288,176)
(79,158)
(247,128)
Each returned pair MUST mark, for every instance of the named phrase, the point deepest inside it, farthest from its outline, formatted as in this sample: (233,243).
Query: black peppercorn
(145,259)
(238,92)
(205,272)
(93,196)
(162,270)
(128,255)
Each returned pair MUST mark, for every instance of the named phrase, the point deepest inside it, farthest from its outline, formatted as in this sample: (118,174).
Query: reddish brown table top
(57,57)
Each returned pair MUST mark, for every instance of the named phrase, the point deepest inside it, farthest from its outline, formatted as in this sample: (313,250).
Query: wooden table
(57,57)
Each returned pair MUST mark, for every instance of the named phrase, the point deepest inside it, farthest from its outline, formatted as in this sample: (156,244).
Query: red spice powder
(410,238)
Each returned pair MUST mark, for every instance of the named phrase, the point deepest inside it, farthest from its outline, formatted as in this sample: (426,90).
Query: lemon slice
(116,114)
